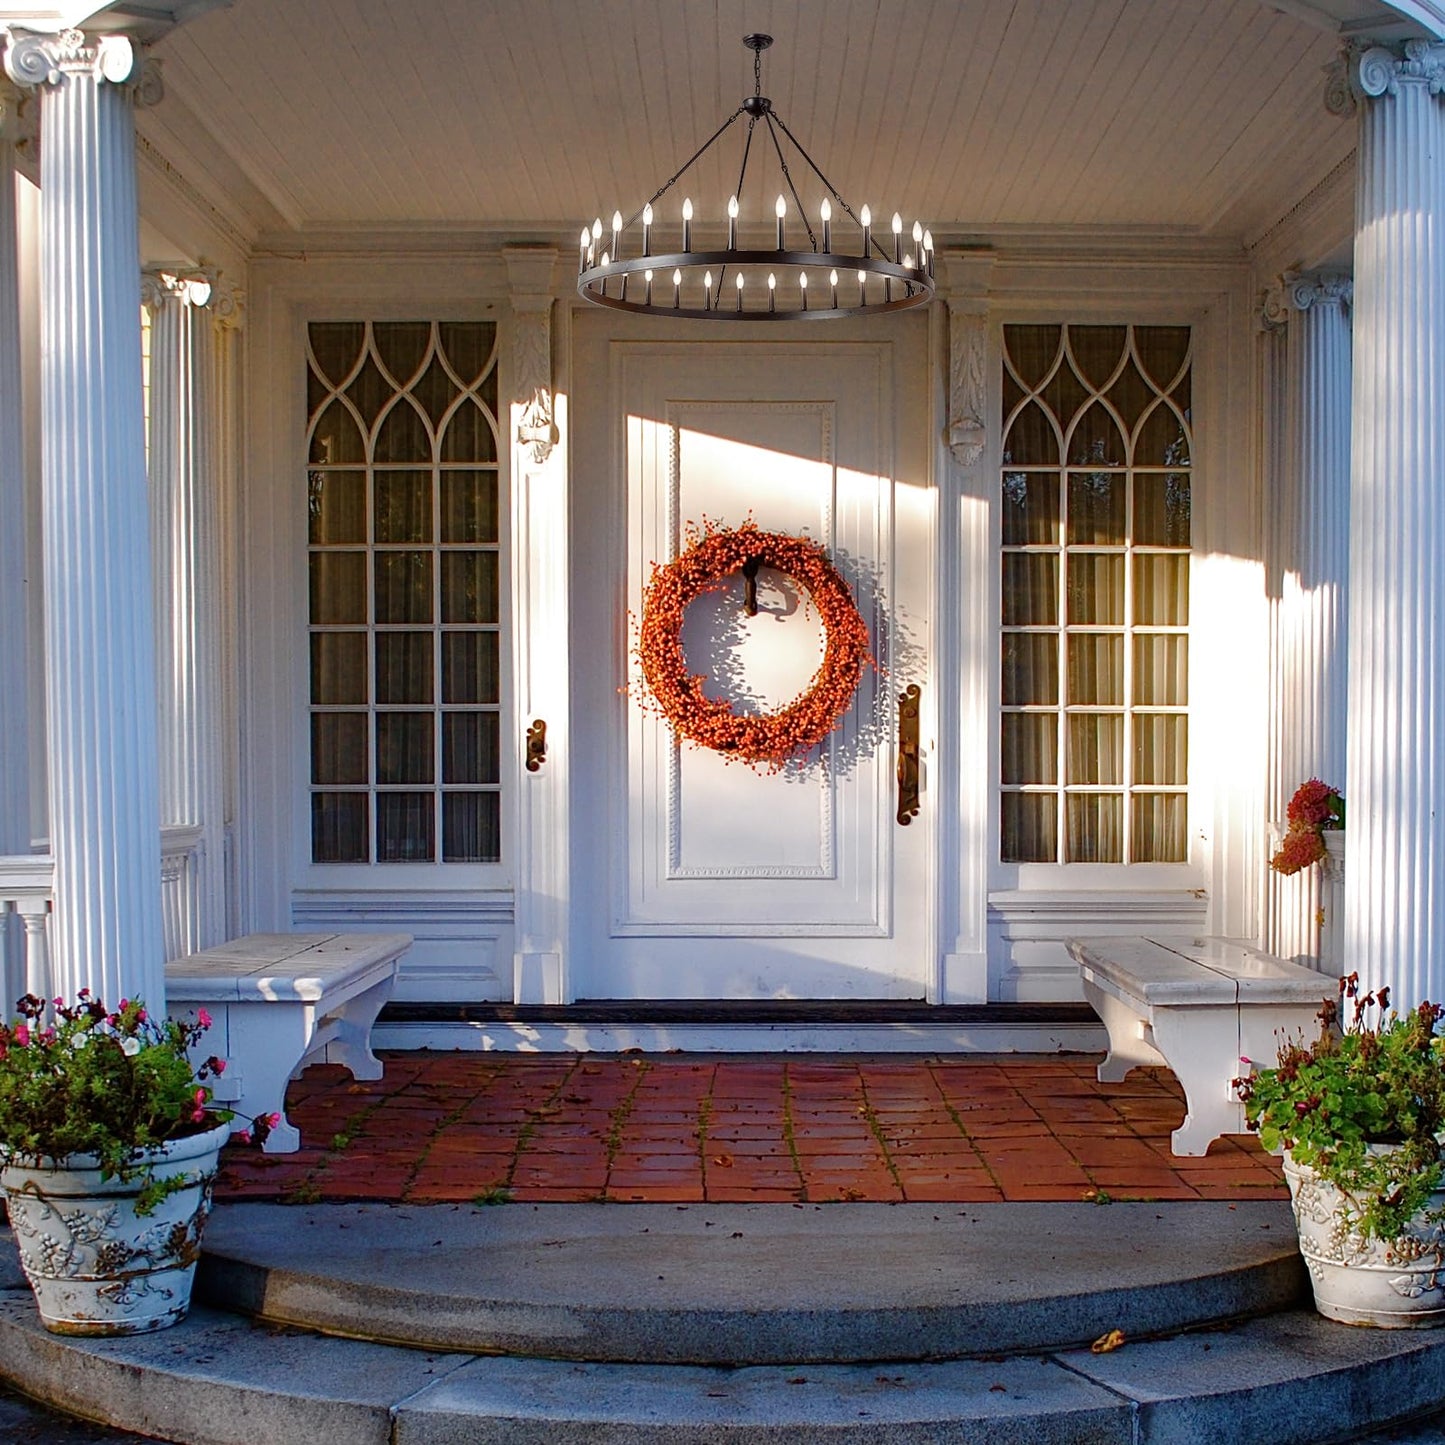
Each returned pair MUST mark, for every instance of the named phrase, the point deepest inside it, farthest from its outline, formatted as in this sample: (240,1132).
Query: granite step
(868,1324)
(751,1284)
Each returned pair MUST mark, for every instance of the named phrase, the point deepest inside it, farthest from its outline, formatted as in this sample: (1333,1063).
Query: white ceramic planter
(1395,1284)
(95,1266)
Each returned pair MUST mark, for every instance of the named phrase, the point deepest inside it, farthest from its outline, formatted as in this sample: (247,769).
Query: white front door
(699,878)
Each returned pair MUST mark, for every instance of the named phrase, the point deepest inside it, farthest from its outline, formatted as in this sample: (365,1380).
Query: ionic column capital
(1367,71)
(1296,291)
(202,286)
(33,61)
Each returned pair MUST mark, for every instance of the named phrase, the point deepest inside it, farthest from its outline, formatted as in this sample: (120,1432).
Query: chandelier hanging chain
(884,281)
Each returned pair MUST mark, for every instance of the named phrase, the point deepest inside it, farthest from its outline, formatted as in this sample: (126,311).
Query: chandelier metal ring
(740,282)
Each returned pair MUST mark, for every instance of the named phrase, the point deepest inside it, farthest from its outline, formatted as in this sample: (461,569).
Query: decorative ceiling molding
(1388,19)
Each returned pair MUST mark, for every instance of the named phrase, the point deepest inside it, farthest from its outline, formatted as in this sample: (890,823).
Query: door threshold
(743,1026)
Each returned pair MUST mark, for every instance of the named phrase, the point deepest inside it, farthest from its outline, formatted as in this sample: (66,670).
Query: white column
(100,652)
(1395,884)
(14,690)
(540,553)
(185,442)
(1310,567)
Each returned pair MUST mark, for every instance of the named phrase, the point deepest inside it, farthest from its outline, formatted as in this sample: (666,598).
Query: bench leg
(267,1041)
(350,1045)
(1128,1049)
(1201,1046)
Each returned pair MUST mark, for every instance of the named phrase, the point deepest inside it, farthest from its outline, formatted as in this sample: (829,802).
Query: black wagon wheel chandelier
(732,283)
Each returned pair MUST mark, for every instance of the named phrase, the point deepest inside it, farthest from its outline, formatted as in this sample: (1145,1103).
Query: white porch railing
(25,906)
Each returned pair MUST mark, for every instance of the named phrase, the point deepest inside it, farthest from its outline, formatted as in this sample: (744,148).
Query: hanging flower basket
(712,555)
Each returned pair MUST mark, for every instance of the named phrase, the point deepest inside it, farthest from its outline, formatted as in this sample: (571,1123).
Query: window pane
(1096,350)
(336,345)
(1096,669)
(404,435)
(1030,747)
(470,667)
(1162,442)
(402,346)
(1096,588)
(1161,669)
(1161,589)
(337,503)
(1030,668)
(1096,748)
(1031,440)
(403,506)
(1159,824)
(1096,440)
(1161,748)
(468,437)
(403,586)
(405,828)
(1096,508)
(336,440)
(338,747)
(469,507)
(1030,589)
(471,827)
(339,827)
(1095,828)
(338,667)
(338,587)
(1030,828)
(471,747)
(1161,509)
(469,586)
(1030,508)
(468,347)
(404,747)
(404,667)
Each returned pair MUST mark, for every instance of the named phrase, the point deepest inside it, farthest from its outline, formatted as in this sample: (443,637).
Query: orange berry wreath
(712,554)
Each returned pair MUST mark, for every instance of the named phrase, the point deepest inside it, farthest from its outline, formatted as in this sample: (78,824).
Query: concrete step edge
(217,1380)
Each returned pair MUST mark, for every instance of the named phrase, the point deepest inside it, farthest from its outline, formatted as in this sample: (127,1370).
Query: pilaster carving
(1274,307)
(1366,72)
(965,277)
(967,381)
(1298,291)
(529,273)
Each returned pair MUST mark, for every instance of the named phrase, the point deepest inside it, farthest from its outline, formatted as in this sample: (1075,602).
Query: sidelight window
(1095,504)
(405,592)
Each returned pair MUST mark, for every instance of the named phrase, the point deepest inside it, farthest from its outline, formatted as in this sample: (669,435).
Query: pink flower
(124,1004)
(218,1066)
(22,1035)
(203,1018)
(242,1136)
(140,1016)
(273,1120)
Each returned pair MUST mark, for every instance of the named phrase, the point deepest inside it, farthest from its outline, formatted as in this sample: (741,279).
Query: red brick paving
(458,1127)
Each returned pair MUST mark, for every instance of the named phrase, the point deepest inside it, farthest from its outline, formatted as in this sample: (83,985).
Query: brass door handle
(536,745)
(908,753)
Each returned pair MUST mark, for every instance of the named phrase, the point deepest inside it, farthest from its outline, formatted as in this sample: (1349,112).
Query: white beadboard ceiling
(1201,115)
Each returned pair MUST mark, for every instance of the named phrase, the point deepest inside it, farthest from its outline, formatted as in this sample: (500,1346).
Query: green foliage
(1369,1084)
(113,1085)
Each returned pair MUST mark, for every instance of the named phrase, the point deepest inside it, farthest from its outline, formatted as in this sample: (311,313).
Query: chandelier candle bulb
(897,238)
(677,288)
(803,286)
(867,219)
(707,282)
(582,251)
(772,291)
(647,230)
(928,248)
(617,233)
(733,224)
(605,260)
(833,282)
(780,210)
(647,276)
(687,224)
(826,212)
(740,290)
(918,237)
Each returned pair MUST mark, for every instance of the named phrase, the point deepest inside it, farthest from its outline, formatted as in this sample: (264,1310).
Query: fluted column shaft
(184,415)
(1395,883)
(1312,564)
(100,650)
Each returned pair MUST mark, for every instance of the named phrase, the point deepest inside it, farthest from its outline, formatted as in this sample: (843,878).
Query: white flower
(77,1041)
(130,1047)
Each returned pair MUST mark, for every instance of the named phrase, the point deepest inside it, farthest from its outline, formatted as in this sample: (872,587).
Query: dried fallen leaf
(723,1161)
(1107,1343)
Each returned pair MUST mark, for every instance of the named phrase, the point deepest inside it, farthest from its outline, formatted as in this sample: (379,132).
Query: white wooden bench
(280,1001)
(1197,1005)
